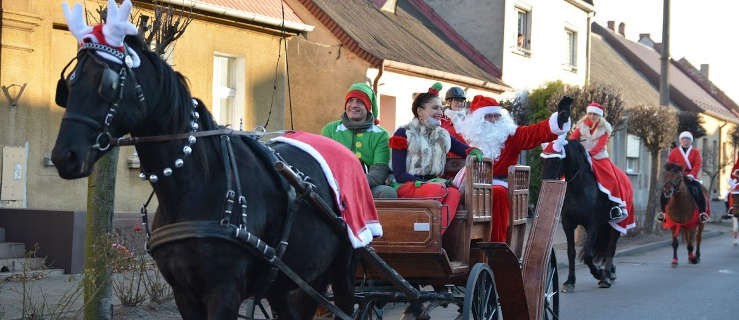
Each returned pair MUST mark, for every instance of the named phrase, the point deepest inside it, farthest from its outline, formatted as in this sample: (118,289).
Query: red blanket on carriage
(347,179)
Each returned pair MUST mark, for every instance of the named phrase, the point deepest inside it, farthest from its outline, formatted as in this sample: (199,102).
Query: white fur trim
(488,109)
(498,182)
(685,156)
(596,110)
(686,134)
(555,128)
(619,201)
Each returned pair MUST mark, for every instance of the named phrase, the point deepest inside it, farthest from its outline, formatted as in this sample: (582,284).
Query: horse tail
(602,241)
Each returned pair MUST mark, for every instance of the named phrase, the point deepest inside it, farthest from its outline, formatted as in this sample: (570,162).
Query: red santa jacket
(690,161)
(734,172)
(525,138)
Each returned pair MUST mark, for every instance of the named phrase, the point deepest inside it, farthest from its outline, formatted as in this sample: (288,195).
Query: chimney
(611,25)
(704,70)
(622,29)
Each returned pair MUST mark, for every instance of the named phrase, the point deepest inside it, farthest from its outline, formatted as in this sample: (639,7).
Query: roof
(609,68)
(406,36)
(707,84)
(685,93)
(267,12)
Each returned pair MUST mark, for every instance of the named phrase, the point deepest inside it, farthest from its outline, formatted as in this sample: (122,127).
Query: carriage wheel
(371,311)
(551,294)
(480,296)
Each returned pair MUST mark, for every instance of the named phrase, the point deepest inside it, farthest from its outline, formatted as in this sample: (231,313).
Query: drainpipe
(720,149)
(589,33)
(376,83)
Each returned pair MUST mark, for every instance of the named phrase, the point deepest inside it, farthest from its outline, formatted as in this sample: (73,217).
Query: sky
(701,31)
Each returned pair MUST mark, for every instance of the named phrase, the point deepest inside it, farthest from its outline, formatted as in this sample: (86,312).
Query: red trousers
(501,211)
(448,196)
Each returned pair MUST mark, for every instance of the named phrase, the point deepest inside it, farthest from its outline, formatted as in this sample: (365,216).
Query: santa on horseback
(593,131)
(492,129)
(690,160)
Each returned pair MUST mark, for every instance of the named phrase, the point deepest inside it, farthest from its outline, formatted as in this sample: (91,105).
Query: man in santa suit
(689,158)
(491,128)
(733,190)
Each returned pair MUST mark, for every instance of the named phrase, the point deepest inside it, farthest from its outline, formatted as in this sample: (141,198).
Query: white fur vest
(427,149)
(589,140)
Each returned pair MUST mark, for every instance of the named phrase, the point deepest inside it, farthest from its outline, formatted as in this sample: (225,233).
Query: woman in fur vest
(593,132)
(419,152)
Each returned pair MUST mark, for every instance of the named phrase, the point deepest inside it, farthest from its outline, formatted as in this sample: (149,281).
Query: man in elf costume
(358,130)
(492,129)
(690,159)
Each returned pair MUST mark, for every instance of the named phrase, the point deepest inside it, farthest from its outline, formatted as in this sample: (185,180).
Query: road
(649,288)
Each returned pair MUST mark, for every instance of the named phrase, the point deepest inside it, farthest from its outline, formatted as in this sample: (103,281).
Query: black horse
(210,274)
(587,206)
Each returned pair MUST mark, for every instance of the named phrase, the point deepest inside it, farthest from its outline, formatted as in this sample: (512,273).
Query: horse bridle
(674,184)
(111,88)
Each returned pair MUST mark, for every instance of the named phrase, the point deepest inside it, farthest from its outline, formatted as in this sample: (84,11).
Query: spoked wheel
(551,294)
(371,311)
(480,296)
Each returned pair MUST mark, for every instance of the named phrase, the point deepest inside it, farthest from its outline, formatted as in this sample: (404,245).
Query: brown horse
(681,212)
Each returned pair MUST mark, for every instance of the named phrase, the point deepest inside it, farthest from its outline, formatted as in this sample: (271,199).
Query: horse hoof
(604,284)
(694,260)
(567,287)
(674,262)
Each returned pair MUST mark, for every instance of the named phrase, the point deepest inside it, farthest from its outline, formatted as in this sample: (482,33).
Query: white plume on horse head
(117,25)
(76,20)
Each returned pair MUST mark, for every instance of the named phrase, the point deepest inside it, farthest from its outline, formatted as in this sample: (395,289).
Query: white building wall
(548,44)
(491,27)
(403,87)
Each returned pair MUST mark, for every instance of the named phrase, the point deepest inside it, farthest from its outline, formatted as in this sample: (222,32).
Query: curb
(562,261)
(655,245)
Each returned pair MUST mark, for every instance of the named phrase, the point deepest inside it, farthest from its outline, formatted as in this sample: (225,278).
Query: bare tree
(656,127)
(690,121)
(607,96)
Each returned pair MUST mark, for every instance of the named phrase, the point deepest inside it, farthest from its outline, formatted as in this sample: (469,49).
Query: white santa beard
(489,137)
(457,117)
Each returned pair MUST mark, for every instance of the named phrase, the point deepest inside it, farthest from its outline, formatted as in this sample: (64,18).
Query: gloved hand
(477,154)
(564,108)
(441,181)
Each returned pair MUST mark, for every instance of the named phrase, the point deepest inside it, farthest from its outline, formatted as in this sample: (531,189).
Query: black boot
(700,199)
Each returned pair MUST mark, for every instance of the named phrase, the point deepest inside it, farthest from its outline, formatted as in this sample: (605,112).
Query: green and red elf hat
(364,92)
(435,88)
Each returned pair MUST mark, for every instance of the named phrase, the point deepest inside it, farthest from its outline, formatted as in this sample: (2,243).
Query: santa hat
(485,105)
(594,107)
(686,134)
(364,92)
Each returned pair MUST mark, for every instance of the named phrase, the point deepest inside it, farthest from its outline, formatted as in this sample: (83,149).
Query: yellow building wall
(34,52)
(717,149)
(320,74)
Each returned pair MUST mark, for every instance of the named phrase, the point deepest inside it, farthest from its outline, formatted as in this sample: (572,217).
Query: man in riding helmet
(454,112)
(492,129)
(358,130)
(689,159)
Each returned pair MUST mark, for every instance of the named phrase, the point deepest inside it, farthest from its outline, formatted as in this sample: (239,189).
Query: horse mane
(673,167)
(175,91)
(576,150)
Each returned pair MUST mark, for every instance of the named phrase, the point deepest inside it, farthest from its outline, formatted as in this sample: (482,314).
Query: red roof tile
(267,8)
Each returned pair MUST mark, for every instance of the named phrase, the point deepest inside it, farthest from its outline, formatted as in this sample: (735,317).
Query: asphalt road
(648,287)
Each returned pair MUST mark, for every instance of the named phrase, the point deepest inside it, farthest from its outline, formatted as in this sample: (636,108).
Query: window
(227,103)
(570,62)
(633,145)
(523,36)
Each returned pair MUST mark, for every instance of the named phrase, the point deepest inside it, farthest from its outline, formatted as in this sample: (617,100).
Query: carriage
(485,279)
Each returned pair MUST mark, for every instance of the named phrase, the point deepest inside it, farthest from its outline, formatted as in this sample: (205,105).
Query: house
(634,67)
(399,47)
(228,54)
(532,41)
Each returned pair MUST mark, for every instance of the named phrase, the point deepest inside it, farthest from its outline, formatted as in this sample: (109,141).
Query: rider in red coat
(690,159)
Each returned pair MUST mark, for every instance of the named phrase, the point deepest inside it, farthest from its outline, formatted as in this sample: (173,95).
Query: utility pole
(664,83)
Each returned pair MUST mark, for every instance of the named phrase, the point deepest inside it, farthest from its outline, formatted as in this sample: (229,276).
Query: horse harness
(111,88)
